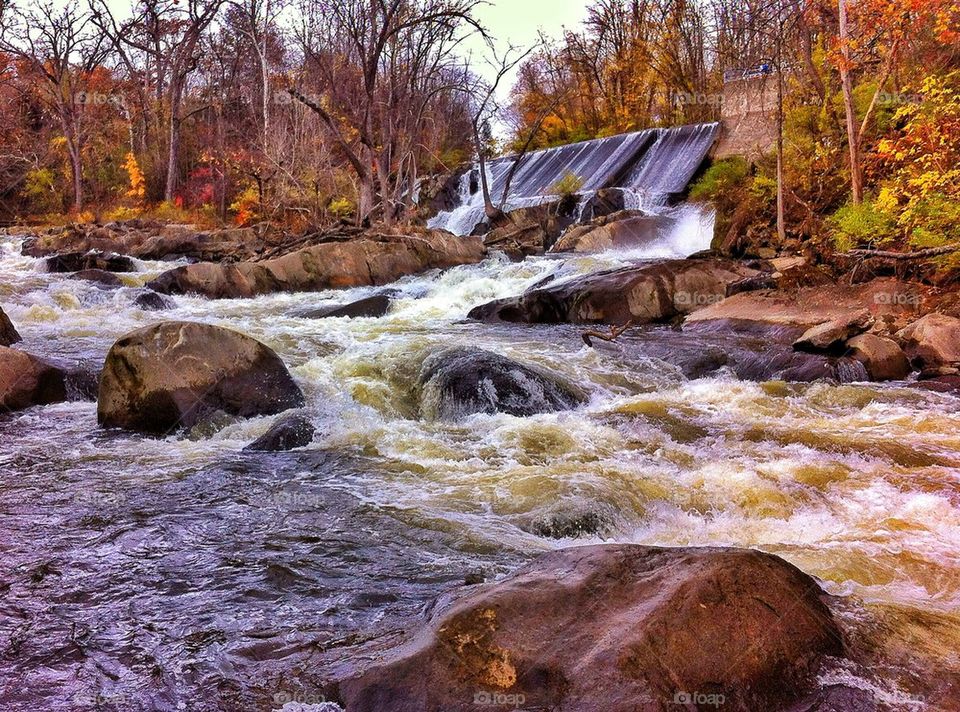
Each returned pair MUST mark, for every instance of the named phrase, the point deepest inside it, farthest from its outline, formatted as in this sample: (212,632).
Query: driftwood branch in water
(615,331)
(918,255)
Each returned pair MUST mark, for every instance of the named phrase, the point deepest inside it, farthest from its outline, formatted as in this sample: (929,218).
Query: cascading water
(650,166)
(182,573)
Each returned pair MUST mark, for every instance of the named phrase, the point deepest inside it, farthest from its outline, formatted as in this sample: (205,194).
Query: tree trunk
(173,150)
(853,139)
(76,169)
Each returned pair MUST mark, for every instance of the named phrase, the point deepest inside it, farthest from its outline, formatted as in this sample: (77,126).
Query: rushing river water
(182,574)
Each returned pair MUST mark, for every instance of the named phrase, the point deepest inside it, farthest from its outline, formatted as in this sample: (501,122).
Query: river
(183,574)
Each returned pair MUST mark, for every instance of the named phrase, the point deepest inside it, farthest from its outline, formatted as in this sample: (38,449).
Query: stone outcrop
(90,261)
(366,261)
(622,230)
(612,628)
(834,333)
(175,374)
(531,230)
(291,431)
(147,240)
(639,294)
(891,303)
(933,340)
(462,381)
(8,333)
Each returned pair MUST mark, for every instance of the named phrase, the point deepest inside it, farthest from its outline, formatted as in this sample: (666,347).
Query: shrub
(861,225)
(723,175)
(569,184)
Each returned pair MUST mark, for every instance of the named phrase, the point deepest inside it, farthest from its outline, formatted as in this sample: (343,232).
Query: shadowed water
(183,574)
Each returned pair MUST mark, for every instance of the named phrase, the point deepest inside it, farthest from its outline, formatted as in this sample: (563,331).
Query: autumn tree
(59,46)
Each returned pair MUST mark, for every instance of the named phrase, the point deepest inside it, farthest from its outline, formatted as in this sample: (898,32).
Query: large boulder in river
(931,341)
(615,628)
(462,381)
(373,306)
(640,294)
(8,333)
(174,374)
(26,380)
(883,358)
(371,260)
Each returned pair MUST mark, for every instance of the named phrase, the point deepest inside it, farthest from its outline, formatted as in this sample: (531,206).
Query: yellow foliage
(137,183)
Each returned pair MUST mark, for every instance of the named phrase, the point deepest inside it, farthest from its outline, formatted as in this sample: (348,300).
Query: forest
(304,113)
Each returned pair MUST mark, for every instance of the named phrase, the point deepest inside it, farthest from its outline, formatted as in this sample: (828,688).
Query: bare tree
(356,54)
(161,44)
(62,48)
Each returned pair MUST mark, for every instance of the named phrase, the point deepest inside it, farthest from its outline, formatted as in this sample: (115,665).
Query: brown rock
(8,334)
(26,380)
(830,334)
(809,306)
(625,229)
(329,265)
(641,294)
(933,340)
(174,374)
(883,358)
(615,628)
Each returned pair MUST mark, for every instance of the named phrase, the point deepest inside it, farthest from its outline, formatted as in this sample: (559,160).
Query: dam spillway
(653,166)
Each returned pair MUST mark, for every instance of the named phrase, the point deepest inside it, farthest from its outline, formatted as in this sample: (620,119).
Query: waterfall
(651,165)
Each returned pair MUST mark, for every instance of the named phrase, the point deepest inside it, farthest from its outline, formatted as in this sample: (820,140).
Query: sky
(516,22)
(519,23)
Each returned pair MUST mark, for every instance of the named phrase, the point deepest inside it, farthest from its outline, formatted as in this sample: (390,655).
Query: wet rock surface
(459,382)
(372,306)
(174,374)
(8,333)
(291,431)
(90,261)
(639,294)
(102,278)
(27,380)
(148,300)
(614,628)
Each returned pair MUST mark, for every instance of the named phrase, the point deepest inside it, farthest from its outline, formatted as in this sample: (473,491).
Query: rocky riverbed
(434,467)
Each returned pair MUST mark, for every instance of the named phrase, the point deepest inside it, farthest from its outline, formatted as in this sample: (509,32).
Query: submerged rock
(640,294)
(8,333)
(933,340)
(92,260)
(463,381)
(613,628)
(101,277)
(883,358)
(290,432)
(148,300)
(173,374)
(373,306)
(372,260)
